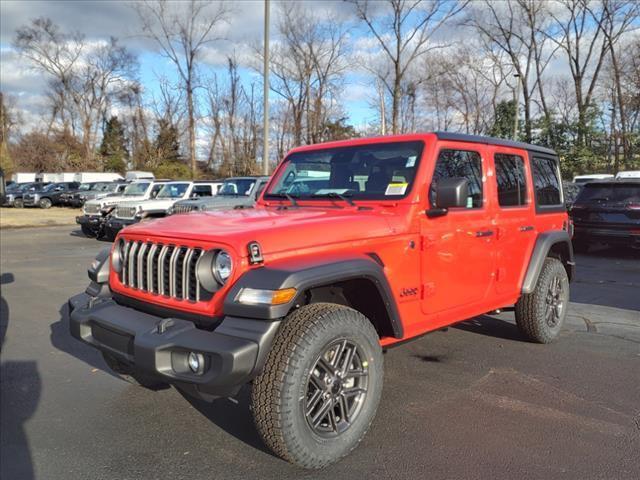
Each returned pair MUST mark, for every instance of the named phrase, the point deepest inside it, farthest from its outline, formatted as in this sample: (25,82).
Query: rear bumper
(233,353)
(618,236)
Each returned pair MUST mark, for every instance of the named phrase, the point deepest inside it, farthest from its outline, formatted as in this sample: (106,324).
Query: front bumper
(233,353)
(114,225)
(93,222)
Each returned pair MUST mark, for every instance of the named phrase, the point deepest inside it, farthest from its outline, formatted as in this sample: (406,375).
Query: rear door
(458,248)
(515,217)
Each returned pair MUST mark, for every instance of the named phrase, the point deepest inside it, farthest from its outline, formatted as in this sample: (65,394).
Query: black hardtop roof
(463,137)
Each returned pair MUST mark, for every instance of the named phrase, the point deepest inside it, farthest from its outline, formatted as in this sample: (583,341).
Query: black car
(66,198)
(14,197)
(49,195)
(607,212)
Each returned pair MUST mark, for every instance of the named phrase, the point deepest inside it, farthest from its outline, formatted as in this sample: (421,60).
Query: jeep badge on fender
(352,247)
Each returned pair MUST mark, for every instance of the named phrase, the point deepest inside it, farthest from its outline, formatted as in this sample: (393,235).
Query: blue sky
(99,19)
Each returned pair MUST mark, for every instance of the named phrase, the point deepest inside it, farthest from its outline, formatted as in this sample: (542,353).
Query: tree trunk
(191,128)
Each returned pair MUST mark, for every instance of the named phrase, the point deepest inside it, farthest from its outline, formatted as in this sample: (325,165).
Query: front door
(458,255)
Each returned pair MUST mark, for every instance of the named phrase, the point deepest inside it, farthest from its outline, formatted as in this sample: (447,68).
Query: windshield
(383,171)
(614,193)
(173,190)
(136,189)
(237,186)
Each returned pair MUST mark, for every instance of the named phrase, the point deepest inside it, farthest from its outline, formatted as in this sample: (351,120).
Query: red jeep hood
(275,230)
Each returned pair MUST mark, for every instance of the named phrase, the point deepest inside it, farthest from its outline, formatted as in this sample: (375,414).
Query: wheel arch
(556,244)
(359,283)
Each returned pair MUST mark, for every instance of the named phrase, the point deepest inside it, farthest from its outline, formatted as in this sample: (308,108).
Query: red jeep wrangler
(354,246)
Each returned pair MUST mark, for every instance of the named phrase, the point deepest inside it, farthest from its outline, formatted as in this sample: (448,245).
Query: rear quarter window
(546,181)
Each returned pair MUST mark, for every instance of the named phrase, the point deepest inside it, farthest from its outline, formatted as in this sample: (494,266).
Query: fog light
(196,362)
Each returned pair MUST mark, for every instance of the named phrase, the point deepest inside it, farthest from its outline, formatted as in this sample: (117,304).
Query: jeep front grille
(184,208)
(123,211)
(167,270)
(92,209)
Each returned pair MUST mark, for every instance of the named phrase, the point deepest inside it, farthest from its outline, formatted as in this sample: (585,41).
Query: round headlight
(222,266)
(117,256)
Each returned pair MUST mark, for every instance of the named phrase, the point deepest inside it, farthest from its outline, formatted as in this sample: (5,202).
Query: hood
(275,230)
(153,204)
(117,199)
(215,203)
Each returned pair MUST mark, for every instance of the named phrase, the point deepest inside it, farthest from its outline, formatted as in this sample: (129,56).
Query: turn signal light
(253,296)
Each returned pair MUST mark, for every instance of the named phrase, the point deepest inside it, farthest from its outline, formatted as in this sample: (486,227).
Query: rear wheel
(128,374)
(541,313)
(321,385)
(18,203)
(45,203)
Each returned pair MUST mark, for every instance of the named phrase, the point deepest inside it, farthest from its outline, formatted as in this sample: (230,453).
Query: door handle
(484,233)
(526,228)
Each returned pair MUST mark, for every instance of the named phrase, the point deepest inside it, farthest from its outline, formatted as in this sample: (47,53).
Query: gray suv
(235,192)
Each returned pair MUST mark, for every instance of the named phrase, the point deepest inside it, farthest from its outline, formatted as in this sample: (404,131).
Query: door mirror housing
(449,193)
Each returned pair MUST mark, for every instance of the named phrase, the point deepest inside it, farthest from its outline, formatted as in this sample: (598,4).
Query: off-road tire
(45,203)
(128,374)
(277,393)
(18,203)
(87,231)
(531,307)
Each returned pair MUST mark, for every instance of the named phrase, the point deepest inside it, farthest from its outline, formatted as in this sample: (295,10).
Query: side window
(155,189)
(511,180)
(201,191)
(546,181)
(463,164)
(260,189)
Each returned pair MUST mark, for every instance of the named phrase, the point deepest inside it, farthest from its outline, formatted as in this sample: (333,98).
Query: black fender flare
(303,276)
(544,243)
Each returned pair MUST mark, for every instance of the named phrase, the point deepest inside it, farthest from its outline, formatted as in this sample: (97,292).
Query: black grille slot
(168,270)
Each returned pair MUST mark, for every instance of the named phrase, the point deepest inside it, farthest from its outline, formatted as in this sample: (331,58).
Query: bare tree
(182,34)
(573,32)
(55,53)
(308,61)
(404,35)
(514,27)
(617,18)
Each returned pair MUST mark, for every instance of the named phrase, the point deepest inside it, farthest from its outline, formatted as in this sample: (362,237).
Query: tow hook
(164,324)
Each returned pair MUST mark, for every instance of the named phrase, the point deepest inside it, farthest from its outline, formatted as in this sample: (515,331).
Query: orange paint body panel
(440,270)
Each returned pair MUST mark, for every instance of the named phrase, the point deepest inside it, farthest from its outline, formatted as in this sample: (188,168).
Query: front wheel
(45,203)
(18,203)
(541,313)
(321,385)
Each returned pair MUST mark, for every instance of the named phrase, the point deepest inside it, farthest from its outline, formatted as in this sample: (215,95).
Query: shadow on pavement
(491,327)
(234,418)
(20,388)
(62,340)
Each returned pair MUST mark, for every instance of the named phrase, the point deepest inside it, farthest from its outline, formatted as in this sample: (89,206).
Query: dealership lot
(476,401)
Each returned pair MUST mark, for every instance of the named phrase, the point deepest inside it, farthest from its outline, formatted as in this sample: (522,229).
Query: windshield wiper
(342,196)
(288,196)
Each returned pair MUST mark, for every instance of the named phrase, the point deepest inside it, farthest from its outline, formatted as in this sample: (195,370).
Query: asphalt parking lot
(476,401)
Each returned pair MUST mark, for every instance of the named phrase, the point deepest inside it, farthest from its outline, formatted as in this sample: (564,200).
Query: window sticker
(396,188)
(411,161)
(469,202)
(325,191)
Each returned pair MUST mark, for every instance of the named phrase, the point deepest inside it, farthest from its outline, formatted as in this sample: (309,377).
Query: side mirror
(449,193)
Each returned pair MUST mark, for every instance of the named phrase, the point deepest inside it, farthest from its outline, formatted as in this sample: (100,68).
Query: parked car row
(68,194)
(146,200)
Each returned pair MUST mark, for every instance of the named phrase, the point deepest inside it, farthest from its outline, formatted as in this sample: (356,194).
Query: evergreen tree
(113,149)
(503,120)
(169,163)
